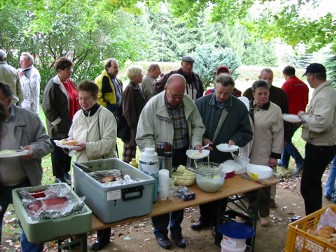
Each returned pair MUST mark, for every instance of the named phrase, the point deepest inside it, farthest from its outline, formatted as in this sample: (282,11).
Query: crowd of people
(173,109)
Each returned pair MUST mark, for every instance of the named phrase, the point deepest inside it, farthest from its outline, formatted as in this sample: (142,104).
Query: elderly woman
(60,103)
(267,141)
(95,129)
(133,103)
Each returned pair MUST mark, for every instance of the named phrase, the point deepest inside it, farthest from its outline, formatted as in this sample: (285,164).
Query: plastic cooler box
(38,231)
(116,202)
(298,240)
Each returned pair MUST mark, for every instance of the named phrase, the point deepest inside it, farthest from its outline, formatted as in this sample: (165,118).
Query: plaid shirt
(181,136)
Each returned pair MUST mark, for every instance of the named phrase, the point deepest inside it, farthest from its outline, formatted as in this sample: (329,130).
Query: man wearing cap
(319,132)
(194,86)
(224,69)
(9,76)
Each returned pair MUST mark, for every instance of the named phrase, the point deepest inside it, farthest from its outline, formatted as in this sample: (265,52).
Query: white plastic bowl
(260,171)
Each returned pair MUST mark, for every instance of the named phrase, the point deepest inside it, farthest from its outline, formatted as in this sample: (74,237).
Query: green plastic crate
(38,231)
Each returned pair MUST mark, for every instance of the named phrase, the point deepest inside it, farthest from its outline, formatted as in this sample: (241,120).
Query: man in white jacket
(319,131)
(30,83)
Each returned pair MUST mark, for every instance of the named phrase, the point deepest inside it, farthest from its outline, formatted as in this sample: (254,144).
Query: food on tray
(112,176)
(38,194)
(69,142)
(47,204)
(108,178)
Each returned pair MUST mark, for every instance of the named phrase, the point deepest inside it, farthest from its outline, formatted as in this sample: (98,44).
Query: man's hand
(301,114)
(198,147)
(30,152)
(208,141)
(231,142)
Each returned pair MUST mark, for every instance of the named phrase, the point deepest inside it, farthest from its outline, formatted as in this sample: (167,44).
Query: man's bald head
(175,88)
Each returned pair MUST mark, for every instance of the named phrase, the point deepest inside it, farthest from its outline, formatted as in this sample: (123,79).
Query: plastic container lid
(236,230)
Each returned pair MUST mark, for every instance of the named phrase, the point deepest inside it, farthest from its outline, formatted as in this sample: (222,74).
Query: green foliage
(209,58)
(330,65)
(259,53)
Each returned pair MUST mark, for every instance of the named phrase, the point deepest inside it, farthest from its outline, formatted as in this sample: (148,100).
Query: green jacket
(236,126)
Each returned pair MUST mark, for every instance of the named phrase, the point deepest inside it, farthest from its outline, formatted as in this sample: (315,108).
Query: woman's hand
(81,147)
(207,141)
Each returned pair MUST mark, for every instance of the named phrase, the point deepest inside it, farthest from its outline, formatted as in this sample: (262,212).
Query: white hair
(134,71)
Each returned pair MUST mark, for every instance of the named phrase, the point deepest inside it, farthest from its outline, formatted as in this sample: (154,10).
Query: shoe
(264,222)
(199,225)
(281,164)
(99,245)
(164,242)
(67,178)
(179,240)
(272,203)
(328,197)
(60,180)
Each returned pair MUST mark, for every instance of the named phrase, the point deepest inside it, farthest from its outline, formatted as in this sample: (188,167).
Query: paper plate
(291,118)
(12,153)
(227,148)
(195,154)
(70,147)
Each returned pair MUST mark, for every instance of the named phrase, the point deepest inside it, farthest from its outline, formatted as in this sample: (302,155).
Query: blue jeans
(330,185)
(160,223)
(290,150)
(6,199)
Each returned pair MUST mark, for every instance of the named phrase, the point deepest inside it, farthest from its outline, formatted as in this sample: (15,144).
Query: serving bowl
(214,178)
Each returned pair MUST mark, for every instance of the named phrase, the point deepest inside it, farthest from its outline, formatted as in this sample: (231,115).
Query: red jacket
(297,94)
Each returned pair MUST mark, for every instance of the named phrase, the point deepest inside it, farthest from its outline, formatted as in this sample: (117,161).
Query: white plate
(195,154)
(291,118)
(70,147)
(227,148)
(259,171)
(13,153)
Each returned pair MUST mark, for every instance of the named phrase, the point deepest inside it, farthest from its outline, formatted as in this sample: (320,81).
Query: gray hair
(267,70)
(152,67)
(3,55)
(260,84)
(134,71)
(225,80)
(28,56)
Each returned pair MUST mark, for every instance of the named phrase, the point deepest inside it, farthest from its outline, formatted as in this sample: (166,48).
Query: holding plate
(196,154)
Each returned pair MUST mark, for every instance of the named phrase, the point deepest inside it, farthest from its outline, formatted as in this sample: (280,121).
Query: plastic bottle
(134,163)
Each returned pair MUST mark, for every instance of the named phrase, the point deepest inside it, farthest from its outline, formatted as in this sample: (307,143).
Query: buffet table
(232,189)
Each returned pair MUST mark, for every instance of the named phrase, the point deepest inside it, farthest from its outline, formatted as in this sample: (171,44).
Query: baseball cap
(315,68)
(188,59)
(222,69)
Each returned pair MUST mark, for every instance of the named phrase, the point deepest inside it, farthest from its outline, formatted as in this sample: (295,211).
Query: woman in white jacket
(95,129)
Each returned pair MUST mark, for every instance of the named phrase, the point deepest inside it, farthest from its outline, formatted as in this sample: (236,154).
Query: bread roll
(330,229)
(324,233)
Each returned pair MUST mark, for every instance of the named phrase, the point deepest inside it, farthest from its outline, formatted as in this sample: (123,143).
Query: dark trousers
(264,195)
(161,222)
(60,160)
(316,160)
(209,211)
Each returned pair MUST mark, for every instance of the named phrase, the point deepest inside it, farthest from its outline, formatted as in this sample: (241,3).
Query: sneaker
(281,164)
(328,197)
(264,222)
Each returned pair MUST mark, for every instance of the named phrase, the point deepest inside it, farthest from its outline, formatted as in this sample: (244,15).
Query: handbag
(123,130)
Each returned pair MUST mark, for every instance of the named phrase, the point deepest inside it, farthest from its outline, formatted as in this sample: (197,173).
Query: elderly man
(297,93)
(279,97)
(9,76)
(110,88)
(319,132)
(194,86)
(148,82)
(30,83)
(226,120)
(172,117)
(23,128)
